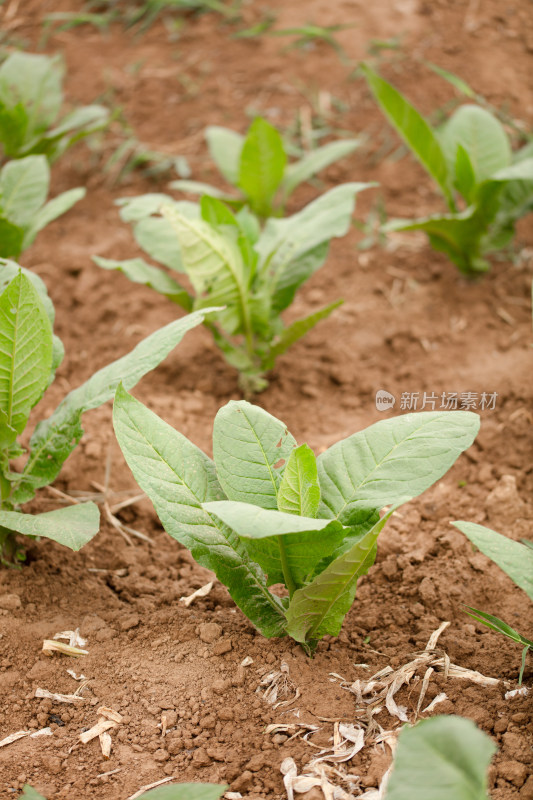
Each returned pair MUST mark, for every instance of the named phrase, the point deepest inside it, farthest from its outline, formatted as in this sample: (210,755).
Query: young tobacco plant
(516,560)
(175,791)
(29,356)
(486,186)
(230,261)
(24,185)
(31,97)
(266,511)
(256,165)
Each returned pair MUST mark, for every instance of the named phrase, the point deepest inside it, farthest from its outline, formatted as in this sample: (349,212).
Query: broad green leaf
(8,271)
(51,211)
(55,438)
(31,794)
(25,350)
(8,434)
(139,271)
(35,81)
(186,791)
(314,162)
(197,187)
(215,268)
(133,209)
(413,128)
(286,546)
(320,607)
(13,126)
(295,331)
(465,178)
(178,478)
(11,237)
(457,82)
(23,188)
(483,138)
(74,126)
(215,212)
(298,271)
(72,526)
(250,448)
(439,759)
(262,165)
(299,492)
(514,558)
(394,458)
(225,147)
(284,242)
(158,238)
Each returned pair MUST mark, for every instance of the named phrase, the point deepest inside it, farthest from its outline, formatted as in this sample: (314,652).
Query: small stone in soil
(209,632)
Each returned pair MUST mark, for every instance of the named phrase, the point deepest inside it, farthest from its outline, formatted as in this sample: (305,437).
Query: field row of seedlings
(265,400)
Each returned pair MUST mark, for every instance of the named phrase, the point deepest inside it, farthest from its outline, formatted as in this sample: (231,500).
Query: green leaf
(158,238)
(178,478)
(320,607)
(498,625)
(215,268)
(314,162)
(483,138)
(215,212)
(11,237)
(13,126)
(72,526)
(25,350)
(413,128)
(30,794)
(139,271)
(514,558)
(186,791)
(262,165)
(225,147)
(77,125)
(284,242)
(304,541)
(465,178)
(55,438)
(296,330)
(197,187)
(35,81)
(52,210)
(250,448)
(439,759)
(394,458)
(23,188)
(8,434)
(299,491)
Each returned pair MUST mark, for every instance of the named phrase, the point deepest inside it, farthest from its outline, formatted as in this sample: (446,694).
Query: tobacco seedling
(256,165)
(30,353)
(486,186)
(24,185)
(266,511)
(441,758)
(230,261)
(516,560)
(31,97)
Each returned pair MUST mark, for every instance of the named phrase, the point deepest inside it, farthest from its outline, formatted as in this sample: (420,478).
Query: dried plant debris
(277,684)
(108,718)
(203,591)
(14,737)
(59,698)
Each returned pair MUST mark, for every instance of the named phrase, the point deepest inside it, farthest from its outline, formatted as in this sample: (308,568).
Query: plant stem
(289,580)
(8,548)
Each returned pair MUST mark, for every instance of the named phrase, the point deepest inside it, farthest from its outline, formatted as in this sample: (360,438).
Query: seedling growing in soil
(266,511)
(439,759)
(486,186)
(29,356)
(175,791)
(24,185)
(229,261)
(516,560)
(31,97)
(256,165)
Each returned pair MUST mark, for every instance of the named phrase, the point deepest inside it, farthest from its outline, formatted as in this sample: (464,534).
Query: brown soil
(410,323)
